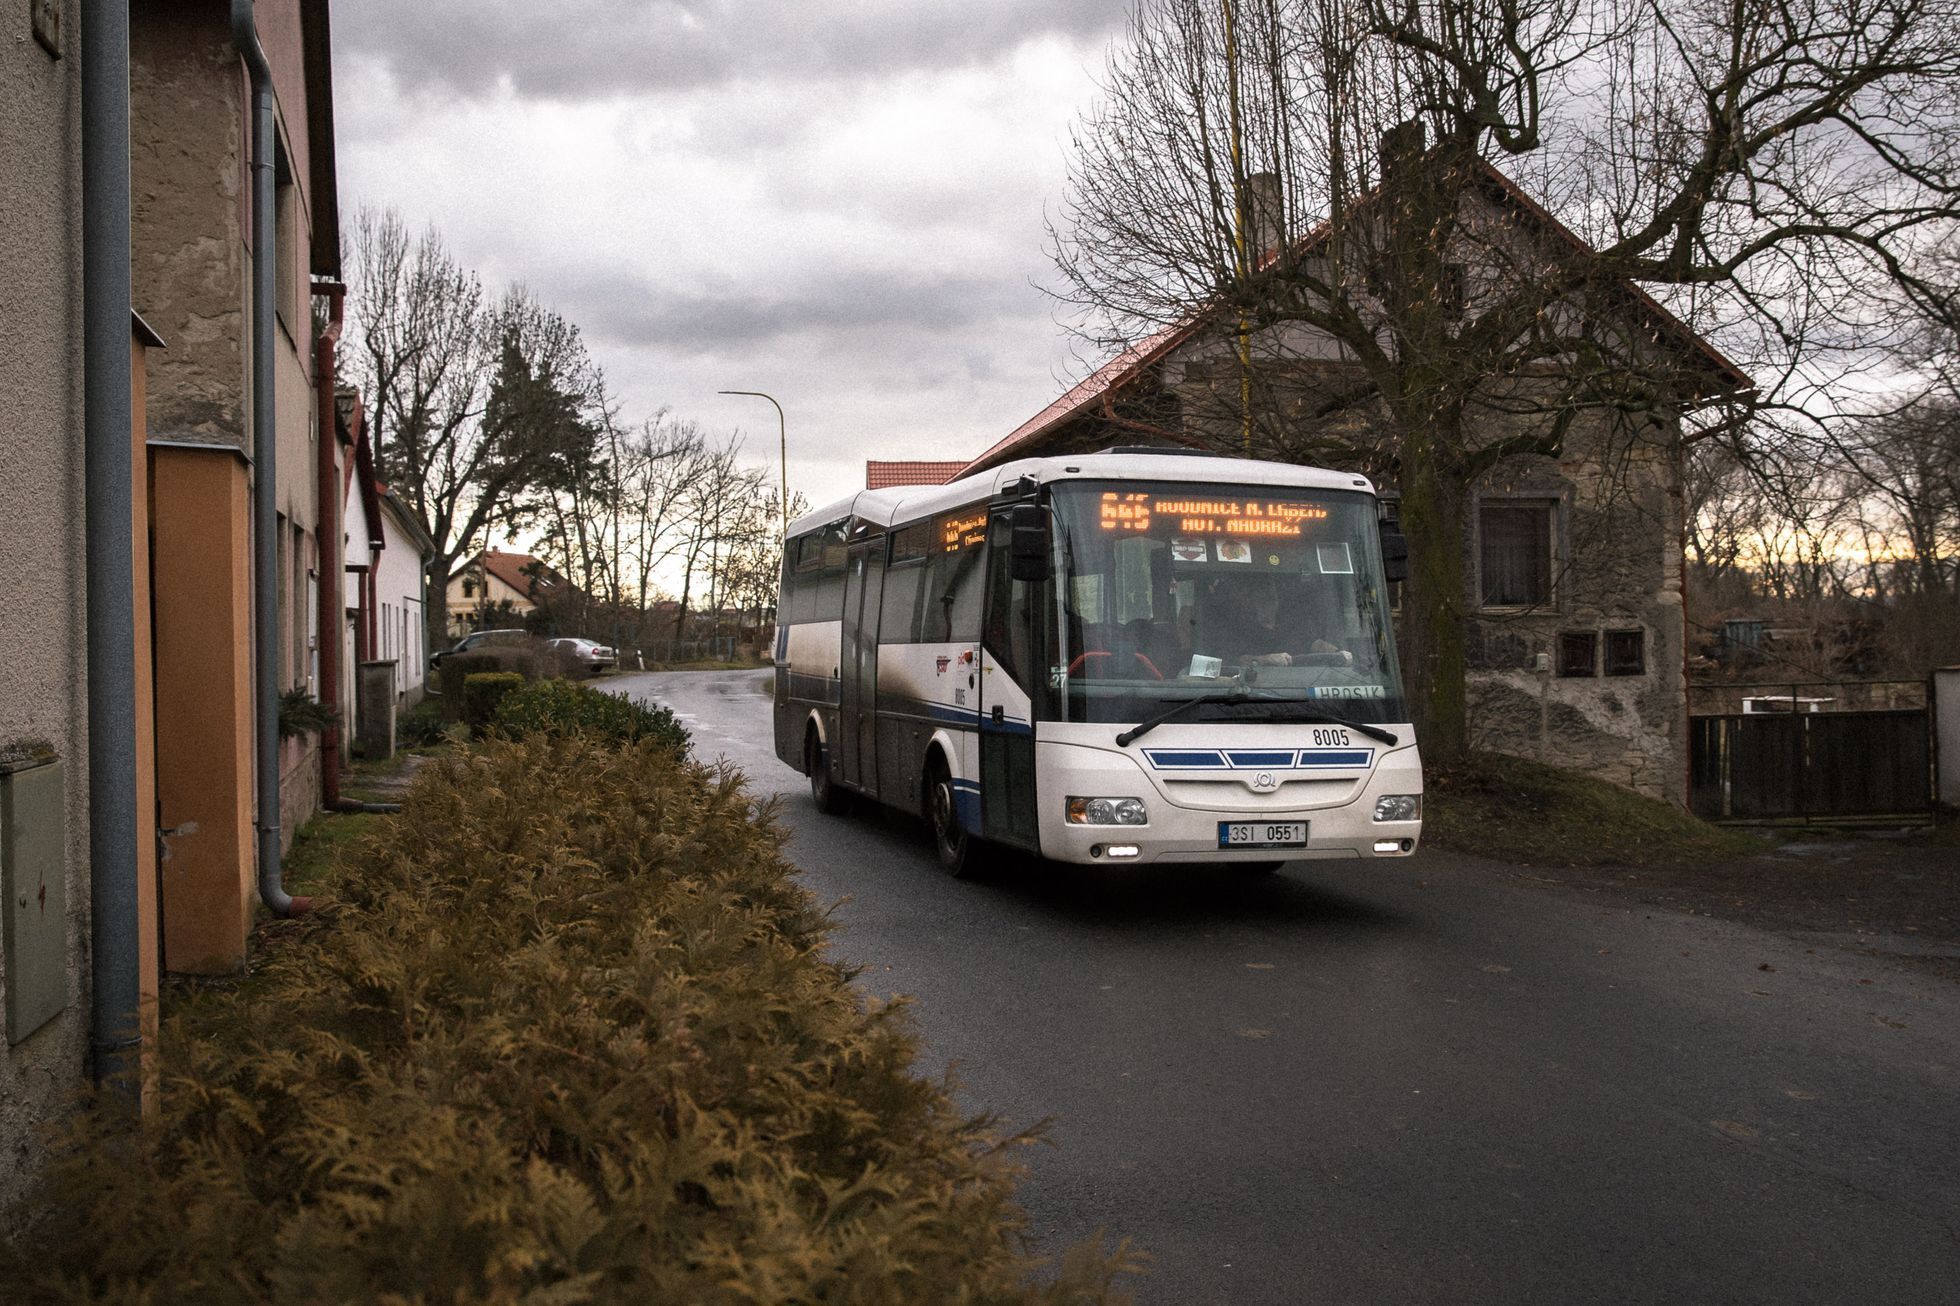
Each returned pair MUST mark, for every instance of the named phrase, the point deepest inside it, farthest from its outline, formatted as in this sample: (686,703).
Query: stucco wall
(1617,566)
(42,631)
(187,191)
(399,583)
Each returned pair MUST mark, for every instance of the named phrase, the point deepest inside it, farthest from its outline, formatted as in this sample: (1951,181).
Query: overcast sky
(839,202)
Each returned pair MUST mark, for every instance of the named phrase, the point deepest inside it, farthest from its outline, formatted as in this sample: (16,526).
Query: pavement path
(1406,1081)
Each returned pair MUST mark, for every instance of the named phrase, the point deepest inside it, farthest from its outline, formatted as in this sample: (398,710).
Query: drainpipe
(265,480)
(115,978)
(332,570)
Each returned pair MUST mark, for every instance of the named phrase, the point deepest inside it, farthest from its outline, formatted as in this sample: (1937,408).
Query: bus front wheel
(830,800)
(949,838)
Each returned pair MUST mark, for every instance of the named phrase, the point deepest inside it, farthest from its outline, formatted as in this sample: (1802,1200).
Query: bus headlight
(1398,807)
(1107,811)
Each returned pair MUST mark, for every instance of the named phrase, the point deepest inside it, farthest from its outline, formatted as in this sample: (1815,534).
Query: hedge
(571,1036)
(482,691)
(558,707)
(526,659)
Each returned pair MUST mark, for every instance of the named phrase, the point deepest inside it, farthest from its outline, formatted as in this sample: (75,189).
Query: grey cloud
(637,311)
(584,49)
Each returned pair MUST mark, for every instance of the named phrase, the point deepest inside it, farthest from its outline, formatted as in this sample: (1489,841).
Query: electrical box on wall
(33,878)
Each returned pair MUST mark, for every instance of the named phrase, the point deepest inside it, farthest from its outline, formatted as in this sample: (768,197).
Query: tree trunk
(1433,503)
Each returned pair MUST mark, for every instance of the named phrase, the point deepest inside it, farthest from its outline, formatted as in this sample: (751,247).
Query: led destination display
(1207,515)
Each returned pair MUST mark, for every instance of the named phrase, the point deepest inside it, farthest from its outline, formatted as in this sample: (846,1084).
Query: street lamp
(782,438)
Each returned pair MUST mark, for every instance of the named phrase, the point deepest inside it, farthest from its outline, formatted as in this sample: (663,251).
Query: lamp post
(782,437)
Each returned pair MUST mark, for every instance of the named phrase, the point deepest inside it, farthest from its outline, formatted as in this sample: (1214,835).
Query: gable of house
(1575,566)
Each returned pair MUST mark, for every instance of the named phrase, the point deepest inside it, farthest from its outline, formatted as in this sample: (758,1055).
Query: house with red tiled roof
(1575,627)
(879,475)
(501,588)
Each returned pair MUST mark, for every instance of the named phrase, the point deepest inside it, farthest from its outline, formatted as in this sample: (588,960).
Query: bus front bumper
(1196,832)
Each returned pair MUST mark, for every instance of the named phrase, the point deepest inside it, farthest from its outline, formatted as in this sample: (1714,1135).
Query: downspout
(265,480)
(114,972)
(333,570)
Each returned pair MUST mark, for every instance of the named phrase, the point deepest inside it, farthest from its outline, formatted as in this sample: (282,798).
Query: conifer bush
(570,1035)
(557,707)
(482,691)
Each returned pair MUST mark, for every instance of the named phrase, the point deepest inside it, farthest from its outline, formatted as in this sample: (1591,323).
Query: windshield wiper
(1145,726)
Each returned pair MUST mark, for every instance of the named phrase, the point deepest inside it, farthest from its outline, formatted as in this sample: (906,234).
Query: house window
(1578,653)
(1515,554)
(1626,652)
(469,589)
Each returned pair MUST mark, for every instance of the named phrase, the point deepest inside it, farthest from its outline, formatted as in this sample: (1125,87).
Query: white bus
(1129,656)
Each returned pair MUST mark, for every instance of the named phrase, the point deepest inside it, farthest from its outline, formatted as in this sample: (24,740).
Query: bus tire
(830,800)
(949,838)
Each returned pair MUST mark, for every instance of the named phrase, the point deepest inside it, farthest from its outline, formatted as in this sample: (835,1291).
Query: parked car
(587,655)
(477,640)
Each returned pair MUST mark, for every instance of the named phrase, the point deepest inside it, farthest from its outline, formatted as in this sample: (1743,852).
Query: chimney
(1401,144)
(1266,213)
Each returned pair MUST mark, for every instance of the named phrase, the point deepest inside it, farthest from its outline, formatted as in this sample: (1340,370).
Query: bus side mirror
(1027,543)
(1395,552)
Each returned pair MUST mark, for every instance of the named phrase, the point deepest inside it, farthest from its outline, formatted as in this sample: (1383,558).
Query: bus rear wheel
(949,838)
(830,800)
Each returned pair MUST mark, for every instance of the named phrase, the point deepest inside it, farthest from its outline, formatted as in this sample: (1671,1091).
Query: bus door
(857,719)
(1008,642)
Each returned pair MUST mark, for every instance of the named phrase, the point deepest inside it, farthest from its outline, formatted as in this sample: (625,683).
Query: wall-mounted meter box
(33,878)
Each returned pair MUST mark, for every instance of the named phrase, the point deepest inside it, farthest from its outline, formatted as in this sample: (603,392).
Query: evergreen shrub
(559,707)
(569,1035)
(482,691)
(528,660)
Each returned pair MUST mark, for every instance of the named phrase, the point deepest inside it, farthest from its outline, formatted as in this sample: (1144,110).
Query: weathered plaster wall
(43,684)
(1617,567)
(191,141)
(187,187)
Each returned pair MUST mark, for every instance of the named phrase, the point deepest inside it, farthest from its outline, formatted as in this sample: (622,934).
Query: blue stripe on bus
(1336,757)
(1187,759)
(1284,758)
(966,803)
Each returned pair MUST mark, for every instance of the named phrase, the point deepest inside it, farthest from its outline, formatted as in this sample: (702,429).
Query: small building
(1575,568)
(387,561)
(496,588)
(192,243)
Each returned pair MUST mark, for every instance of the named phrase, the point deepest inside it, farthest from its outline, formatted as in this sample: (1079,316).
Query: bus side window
(1009,619)
(905,584)
(825,576)
(953,596)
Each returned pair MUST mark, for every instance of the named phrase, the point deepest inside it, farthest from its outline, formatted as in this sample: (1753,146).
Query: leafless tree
(1318,182)
(473,403)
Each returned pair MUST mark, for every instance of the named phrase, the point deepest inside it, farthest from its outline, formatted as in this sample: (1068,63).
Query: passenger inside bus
(1250,621)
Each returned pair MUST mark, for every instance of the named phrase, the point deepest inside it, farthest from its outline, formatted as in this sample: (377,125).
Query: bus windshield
(1170,591)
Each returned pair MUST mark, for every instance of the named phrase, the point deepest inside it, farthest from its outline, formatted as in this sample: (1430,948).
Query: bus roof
(910,502)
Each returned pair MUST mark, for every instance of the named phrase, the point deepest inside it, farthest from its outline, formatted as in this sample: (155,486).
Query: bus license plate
(1262,834)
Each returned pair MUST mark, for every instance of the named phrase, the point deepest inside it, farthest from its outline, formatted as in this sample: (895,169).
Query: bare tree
(1311,186)
(472,404)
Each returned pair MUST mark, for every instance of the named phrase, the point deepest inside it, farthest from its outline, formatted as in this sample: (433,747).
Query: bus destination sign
(1203,514)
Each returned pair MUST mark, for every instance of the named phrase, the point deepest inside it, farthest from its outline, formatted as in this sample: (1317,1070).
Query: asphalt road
(1407,1081)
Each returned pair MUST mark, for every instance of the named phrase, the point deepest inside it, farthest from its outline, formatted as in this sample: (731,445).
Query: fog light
(1388,845)
(1398,807)
(1107,811)
(1123,850)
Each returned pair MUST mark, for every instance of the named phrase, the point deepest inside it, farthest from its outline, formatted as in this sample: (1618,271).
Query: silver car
(587,655)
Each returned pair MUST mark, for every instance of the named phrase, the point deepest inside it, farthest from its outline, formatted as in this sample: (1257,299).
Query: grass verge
(1517,810)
